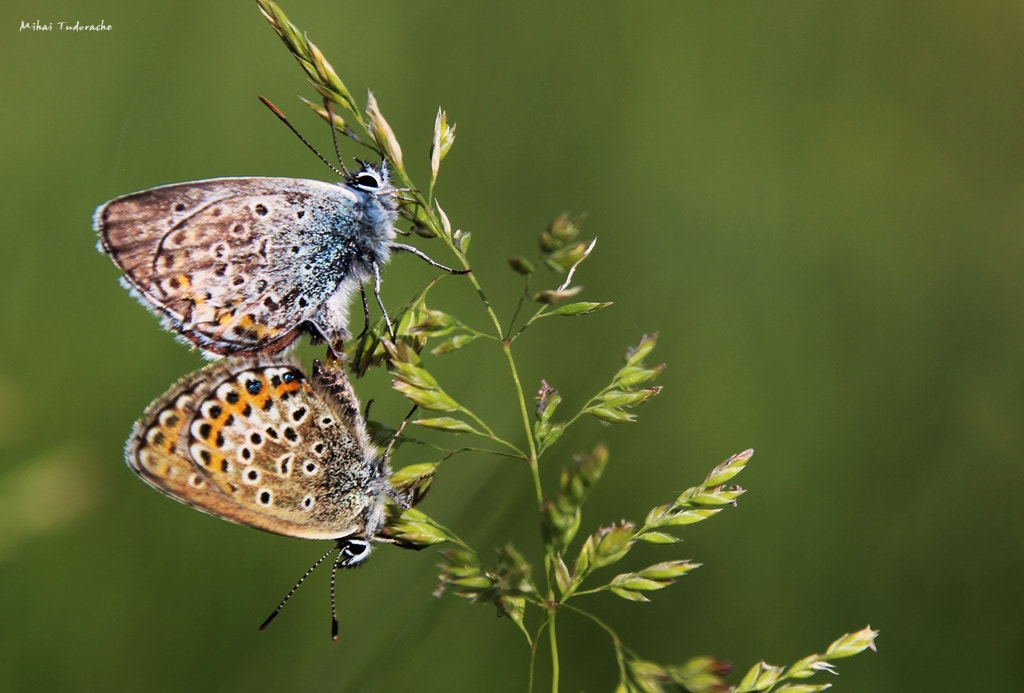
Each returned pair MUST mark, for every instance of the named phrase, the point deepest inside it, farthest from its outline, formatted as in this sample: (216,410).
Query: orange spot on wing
(293,386)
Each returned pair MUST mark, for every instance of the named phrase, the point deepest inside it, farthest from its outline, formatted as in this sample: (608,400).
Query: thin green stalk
(532,459)
(489,434)
(533,665)
(554,652)
(541,312)
(620,649)
(506,349)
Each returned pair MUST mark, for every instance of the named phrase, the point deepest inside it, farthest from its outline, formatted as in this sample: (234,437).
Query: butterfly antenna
(293,589)
(334,608)
(284,119)
(334,132)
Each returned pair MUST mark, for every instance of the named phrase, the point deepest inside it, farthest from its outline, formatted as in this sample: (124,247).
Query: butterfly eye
(353,552)
(367,180)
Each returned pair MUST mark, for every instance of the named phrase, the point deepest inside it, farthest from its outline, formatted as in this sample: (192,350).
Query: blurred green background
(818,207)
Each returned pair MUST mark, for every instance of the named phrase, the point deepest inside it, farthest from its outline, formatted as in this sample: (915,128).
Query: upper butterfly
(245,265)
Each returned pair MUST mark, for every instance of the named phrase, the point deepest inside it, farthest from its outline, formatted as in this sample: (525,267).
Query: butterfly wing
(153,452)
(252,442)
(239,264)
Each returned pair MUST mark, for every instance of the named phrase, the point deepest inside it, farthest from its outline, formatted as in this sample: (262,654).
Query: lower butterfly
(256,442)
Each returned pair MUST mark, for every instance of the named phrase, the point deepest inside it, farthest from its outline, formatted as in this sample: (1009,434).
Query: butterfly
(256,442)
(245,265)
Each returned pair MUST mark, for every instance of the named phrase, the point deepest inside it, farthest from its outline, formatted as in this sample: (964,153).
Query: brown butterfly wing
(252,442)
(154,453)
(232,264)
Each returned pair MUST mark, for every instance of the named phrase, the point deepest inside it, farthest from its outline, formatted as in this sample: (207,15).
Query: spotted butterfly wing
(152,451)
(245,265)
(256,442)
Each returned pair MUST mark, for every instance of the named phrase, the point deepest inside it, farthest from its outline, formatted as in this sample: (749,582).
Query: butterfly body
(256,442)
(245,265)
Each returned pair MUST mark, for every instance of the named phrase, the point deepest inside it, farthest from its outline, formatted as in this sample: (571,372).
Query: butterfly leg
(380,302)
(426,258)
(366,314)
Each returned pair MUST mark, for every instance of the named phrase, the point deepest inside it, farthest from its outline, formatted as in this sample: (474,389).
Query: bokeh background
(817,206)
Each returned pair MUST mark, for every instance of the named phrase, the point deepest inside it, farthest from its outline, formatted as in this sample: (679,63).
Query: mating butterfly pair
(240,267)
